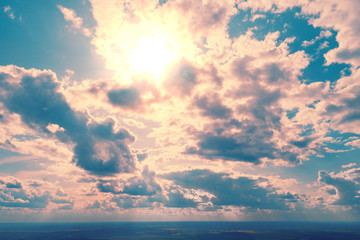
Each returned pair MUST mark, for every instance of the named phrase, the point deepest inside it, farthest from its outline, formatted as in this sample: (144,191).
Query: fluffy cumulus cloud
(207,108)
(227,191)
(34,95)
(345,185)
(14,195)
(138,186)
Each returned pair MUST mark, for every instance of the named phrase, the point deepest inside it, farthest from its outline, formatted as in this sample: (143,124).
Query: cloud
(137,97)
(127,202)
(125,97)
(120,26)
(232,147)
(342,108)
(248,127)
(228,191)
(302,143)
(134,123)
(95,205)
(54,128)
(62,199)
(138,186)
(15,184)
(87,180)
(327,15)
(181,78)
(347,186)
(343,18)
(76,22)
(238,141)
(34,95)
(275,6)
(323,34)
(10,12)
(252,92)
(14,195)
(350,165)
(177,200)
(239,106)
(212,107)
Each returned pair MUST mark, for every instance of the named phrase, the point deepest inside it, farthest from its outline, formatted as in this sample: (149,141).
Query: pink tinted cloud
(76,22)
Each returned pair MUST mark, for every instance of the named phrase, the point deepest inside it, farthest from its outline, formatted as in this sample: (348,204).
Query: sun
(151,55)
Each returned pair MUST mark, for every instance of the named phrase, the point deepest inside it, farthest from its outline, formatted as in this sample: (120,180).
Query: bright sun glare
(151,55)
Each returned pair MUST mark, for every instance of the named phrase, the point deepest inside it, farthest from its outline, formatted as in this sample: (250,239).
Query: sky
(179,110)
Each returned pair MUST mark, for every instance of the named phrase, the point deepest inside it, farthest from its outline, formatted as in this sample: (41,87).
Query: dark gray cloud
(35,184)
(62,200)
(228,191)
(346,189)
(87,180)
(302,143)
(35,164)
(263,103)
(274,73)
(12,195)
(105,131)
(125,97)
(331,191)
(351,117)
(15,184)
(263,106)
(271,72)
(98,149)
(39,103)
(141,156)
(26,202)
(177,200)
(249,143)
(349,106)
(212,107)
(127,202)
(203,190)
(347,54)
(230,148)
(139,186)
(104,151)
(66,207)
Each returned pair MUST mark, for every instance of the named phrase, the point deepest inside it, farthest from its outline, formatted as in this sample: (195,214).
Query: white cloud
(350,165)
(10,12)
(76,22)
(54,128)
(343,17)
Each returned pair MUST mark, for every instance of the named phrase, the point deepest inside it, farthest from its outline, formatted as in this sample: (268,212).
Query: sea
(183,230)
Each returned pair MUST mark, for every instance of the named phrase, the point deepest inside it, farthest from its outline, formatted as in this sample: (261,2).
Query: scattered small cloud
(350,165)
(10,12)
(76,22)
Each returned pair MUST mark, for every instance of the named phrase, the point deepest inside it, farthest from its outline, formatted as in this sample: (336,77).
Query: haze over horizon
(179,110)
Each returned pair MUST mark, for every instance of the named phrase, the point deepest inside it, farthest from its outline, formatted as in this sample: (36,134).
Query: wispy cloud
(76,22)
